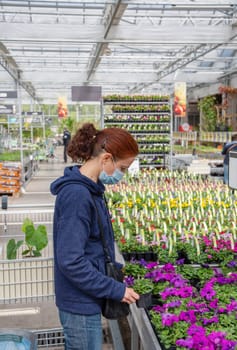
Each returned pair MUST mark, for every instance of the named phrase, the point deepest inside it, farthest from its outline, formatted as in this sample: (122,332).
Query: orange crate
(9,188)
(9,172)
(4,180)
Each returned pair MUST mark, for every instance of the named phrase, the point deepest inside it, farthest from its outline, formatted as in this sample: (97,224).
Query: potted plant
(144,287)
(34,271)
(35,240)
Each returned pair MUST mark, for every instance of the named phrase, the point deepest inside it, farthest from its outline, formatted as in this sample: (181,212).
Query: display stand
(142,334)
(10,178)
(148,119)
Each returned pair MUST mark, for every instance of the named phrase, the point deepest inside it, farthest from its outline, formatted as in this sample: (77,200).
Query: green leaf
(41,237)
(12,247)
(25,252)
(29,234)
(36,253)
(27,222)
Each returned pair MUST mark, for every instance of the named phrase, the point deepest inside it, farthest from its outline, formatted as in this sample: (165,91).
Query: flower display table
(141,330)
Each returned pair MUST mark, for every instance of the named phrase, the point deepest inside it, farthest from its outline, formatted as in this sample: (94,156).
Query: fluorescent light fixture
(20,312)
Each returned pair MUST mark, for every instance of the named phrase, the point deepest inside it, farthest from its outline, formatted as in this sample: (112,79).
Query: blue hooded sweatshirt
(80,281)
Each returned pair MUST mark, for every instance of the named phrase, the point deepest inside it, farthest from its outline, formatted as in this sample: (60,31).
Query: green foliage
(164,256)
(208,113)
(168,335)
(143,285)
(160,287)
(135,270)
(198,274)
(14,156)
(35,240)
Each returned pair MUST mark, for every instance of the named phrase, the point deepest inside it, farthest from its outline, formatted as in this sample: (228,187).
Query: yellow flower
(185,205)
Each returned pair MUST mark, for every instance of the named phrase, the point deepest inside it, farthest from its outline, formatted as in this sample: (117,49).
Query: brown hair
(89,142)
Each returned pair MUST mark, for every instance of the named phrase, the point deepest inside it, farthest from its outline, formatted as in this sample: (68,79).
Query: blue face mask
(111,179)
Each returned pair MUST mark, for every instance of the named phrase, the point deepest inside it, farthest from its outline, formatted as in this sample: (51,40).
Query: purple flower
(222,280)
(168,268)
(214,304)
(159,309)
(151,265)
(195,329)
(169,319)
(201,342)
(201,307)
(211,320)
(143,262)
(221,310)
(207,291)
(129,280)
(232,306)
(228,344)
(186,292)
(173,304)
(216,337)
(178,281)
(180,261)
(186,343)
(232,263)
(207,266)
(188,316)
(167,293)
(168,276)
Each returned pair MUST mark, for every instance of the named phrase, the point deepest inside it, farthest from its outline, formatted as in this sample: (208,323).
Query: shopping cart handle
(4,201)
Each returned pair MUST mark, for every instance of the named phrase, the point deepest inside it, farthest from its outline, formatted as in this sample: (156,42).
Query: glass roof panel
(131,46)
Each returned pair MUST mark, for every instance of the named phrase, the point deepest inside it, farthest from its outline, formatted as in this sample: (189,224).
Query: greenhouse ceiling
(125,46)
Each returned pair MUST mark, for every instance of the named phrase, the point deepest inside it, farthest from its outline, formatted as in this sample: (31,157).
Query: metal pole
(77,113)
(31,133)
(171,134)
(21,129)
(43,126)
(102,113)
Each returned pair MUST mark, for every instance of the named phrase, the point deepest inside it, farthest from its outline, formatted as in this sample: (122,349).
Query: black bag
(111,309)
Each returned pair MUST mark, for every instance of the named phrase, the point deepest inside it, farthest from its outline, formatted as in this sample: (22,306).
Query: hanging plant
(227,90)
(208,113)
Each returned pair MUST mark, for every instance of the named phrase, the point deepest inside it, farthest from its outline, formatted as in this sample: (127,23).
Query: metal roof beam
(9,64)
(200,51)
(56,4)
(115,14)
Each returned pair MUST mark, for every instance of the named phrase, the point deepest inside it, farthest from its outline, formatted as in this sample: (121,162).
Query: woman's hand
(130,296)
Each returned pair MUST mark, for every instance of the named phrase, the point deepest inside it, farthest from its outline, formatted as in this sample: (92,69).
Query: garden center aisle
(36,195)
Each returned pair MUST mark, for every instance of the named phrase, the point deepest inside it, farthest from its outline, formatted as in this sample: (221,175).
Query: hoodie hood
(72,175)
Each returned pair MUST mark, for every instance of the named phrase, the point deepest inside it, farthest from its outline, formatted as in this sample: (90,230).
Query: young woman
(80,281)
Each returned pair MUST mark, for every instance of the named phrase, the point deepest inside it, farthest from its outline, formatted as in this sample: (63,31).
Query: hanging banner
(62,107)
(180,99)
(86,93)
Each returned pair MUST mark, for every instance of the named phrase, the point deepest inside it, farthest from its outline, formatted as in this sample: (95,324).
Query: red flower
(123,240)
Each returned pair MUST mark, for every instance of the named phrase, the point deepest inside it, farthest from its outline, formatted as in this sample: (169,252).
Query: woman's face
(120,164)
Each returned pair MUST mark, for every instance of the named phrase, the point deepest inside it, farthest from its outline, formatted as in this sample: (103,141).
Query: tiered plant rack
(148,119)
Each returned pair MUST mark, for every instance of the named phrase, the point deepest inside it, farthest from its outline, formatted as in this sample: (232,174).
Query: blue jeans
(81,332)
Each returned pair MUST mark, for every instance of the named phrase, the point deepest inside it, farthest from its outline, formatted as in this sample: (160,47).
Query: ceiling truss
(125,46)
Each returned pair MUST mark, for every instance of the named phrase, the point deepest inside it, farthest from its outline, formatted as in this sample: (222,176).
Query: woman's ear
(106,156)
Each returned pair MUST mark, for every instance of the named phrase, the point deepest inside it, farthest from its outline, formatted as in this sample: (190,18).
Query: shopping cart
(17,339)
